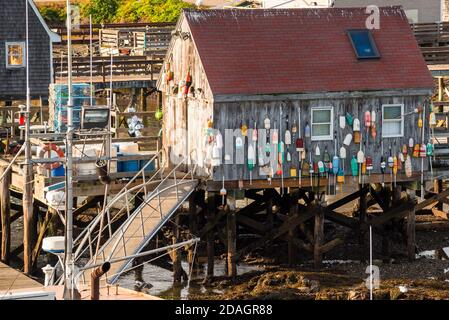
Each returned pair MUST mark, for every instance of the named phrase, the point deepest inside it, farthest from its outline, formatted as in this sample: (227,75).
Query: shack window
(392,120)
(322,125)
(15,54)
(363,44)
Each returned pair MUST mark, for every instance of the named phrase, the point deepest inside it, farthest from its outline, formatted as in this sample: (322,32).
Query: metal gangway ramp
(162,193)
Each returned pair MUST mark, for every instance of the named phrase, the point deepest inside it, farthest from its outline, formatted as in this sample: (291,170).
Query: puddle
(159,282)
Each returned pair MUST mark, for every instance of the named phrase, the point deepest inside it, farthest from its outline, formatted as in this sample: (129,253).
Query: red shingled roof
(304,50)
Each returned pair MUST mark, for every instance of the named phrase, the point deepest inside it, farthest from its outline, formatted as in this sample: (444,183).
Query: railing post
(109,222)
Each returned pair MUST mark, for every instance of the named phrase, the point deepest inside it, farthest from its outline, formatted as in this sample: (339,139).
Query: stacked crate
(58,105)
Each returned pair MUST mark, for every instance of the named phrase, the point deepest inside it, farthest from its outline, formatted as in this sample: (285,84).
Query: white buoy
(53,244)
(342,122)
(348,139)
(343,153)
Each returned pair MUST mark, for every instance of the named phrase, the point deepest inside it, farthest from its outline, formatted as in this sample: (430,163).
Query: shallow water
(161,280)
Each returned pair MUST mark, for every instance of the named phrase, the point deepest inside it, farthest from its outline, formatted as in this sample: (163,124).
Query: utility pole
(28,168)
(70,291)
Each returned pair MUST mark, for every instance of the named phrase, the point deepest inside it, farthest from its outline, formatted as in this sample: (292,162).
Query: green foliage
(102,11)
(53,14)
(150,10)
(106,11)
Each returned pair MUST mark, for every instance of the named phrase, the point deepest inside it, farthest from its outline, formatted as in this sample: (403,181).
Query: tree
(102,11)
(53,14)
(150,10)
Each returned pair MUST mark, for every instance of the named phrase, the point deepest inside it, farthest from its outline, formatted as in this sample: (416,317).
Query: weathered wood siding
(12,29)
(229,115)
(185,114)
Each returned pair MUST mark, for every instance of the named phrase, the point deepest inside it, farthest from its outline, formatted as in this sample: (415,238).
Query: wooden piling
(318,236)
(176,256)
(438,187)
(269,215)
(28,225)
(411,231)
(193,227)
(5,214)
(232,242)
(49,217)
(292,233)
(210,239)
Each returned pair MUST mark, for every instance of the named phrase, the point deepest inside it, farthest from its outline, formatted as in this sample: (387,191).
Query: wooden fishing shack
(12,52)
(318,74)
(278,104)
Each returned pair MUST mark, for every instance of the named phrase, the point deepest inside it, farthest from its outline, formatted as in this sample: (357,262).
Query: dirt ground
(343,275)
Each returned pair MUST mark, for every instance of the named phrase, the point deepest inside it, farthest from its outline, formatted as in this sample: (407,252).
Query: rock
(396,294)
(356,295)
(314,286)
(304,289)
(381,295)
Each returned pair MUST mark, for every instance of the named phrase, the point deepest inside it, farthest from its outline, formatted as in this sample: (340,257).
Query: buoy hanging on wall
(429,149)
(348,139)
(267,123)
(383,165)
(369,163)
(416,150)
(408,167)
(410,143)
(343,153)
(373,124)
(360,157)
(354,167)
(335,164)
(395,165)
(307,130)
(432,120)
(349,119)
(341,177)
(423,151)
(356,129)
(342,122)
(320,166)
(367,119)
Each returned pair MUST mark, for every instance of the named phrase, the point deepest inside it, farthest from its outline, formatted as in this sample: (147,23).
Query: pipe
(95,280)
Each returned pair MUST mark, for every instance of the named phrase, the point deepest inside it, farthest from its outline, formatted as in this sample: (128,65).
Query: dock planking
(12,279)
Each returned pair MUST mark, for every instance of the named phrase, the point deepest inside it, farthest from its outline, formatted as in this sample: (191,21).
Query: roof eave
(54,37)
(426,91)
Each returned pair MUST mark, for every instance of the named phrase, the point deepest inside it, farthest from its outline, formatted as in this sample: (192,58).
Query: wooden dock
(12,279)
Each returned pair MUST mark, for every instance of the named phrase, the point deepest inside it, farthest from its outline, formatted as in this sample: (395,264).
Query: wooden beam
(397,212)
(435,198)
(378,198)
(411,231)
(330,245)
(439,213)
(292,250)
(232,242)
(318,237)
(340,218)
(211,208)
(5,214)
(49,216)
(348,198)
(251,223)
(276,233)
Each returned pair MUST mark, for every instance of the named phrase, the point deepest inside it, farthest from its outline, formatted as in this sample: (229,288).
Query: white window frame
(331,124)
(15,43)
(393,120)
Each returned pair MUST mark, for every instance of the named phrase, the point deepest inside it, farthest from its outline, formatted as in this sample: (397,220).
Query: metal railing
(85,242)
(118,240)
